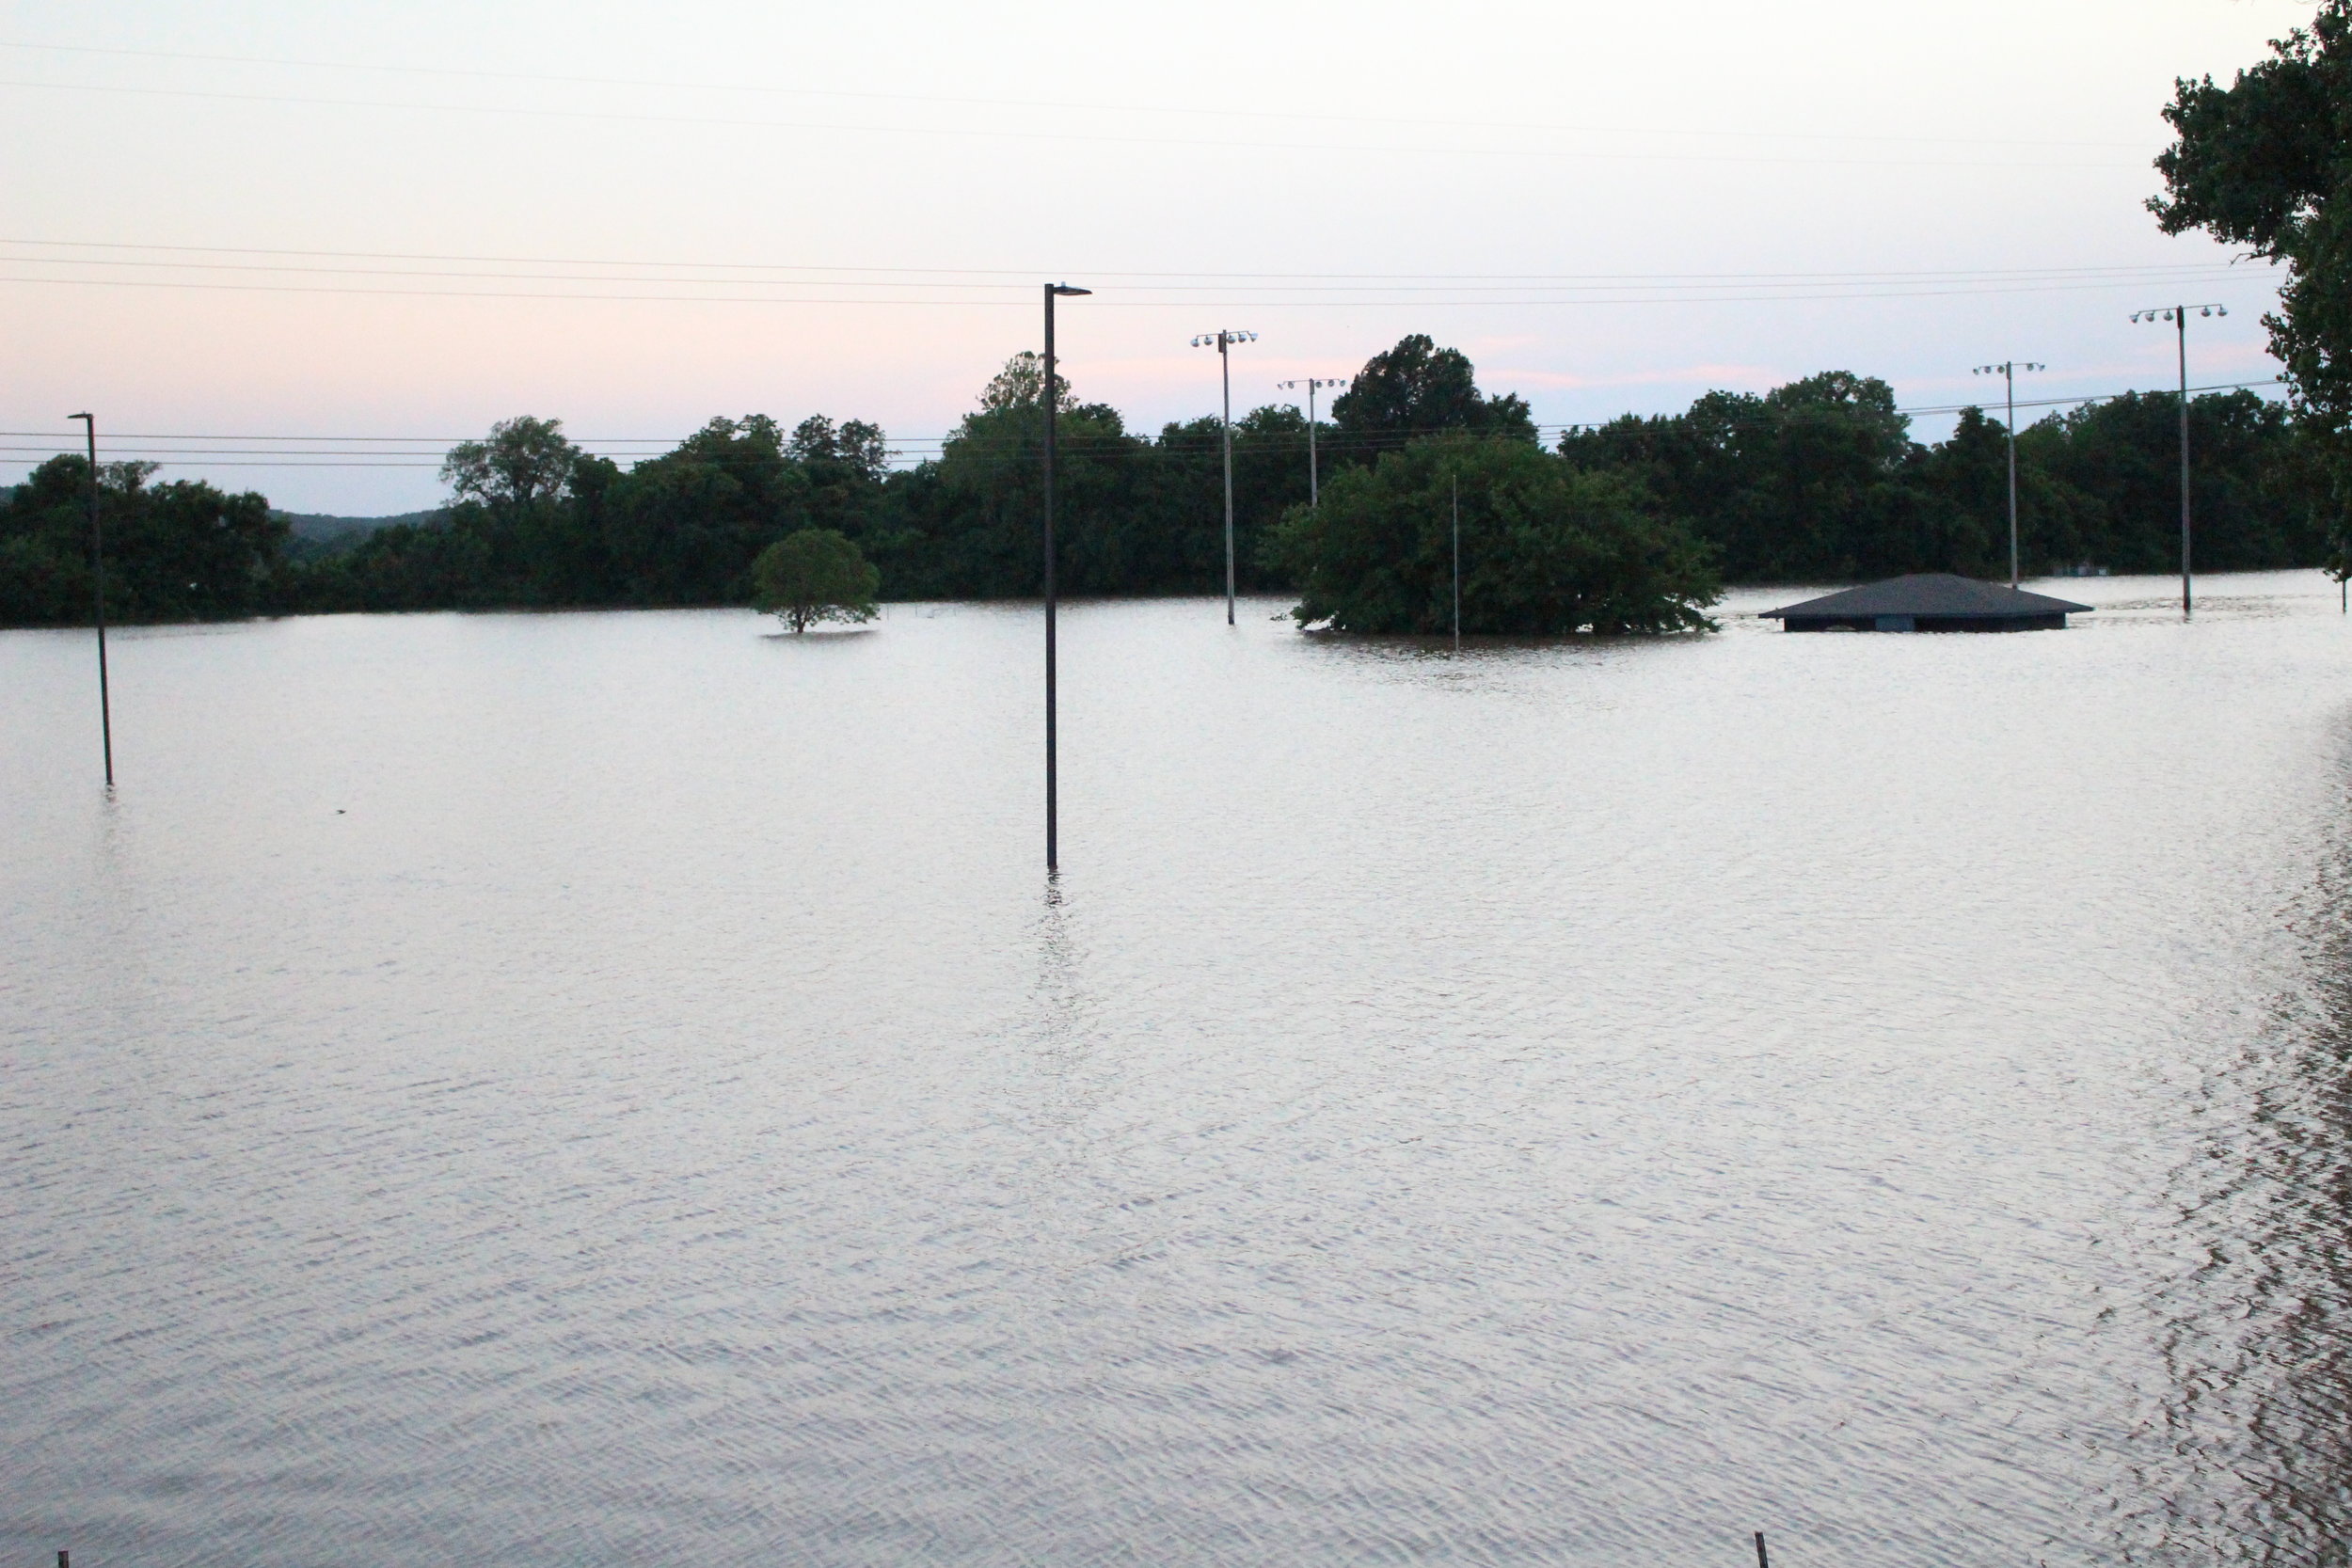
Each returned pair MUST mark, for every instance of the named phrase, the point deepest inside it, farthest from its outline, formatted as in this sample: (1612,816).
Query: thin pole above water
(1457,483)
(98,578)
(1049,395)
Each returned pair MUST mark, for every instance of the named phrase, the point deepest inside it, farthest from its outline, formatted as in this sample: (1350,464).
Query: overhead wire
(920,448)
(960,100)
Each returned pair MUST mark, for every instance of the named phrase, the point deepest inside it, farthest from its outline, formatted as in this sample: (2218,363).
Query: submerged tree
(1545,550)
(814,575)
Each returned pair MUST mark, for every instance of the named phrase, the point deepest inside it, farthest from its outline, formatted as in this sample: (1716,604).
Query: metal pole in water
(1225,365)
(2008,374)
(1053,781)
(1457,483)
(2181,311)
(98,576)
(1761,1560)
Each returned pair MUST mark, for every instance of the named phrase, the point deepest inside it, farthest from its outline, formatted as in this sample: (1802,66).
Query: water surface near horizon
(565,1088)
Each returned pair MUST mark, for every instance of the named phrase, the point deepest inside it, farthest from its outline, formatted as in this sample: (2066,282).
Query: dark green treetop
(2267,163)
(1546,550)
(814,575)
(1415,389)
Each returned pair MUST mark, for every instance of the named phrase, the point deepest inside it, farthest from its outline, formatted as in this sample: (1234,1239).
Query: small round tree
(814,575)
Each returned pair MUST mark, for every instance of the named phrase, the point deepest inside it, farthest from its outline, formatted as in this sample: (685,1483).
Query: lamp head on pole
(1066,289)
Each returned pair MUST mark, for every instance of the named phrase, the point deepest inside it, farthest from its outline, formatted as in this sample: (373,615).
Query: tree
(2267,163)
(1418,388)
(814,575)
(179,551)
(526,462)
(1546,550)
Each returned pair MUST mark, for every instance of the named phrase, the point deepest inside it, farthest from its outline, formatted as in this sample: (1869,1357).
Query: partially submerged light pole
(2178,315)
(1050,394)
(98,576)
(1224,340)
(1315,490)
(2007,370)
(1456,481)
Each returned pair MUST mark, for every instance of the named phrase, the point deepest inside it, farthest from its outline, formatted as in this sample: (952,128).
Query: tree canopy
(812,576)
(1820,480)
(1545,549)
(2267,163)
(1415,389)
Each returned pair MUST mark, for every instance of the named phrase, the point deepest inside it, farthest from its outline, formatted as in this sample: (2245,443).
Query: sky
(302,248)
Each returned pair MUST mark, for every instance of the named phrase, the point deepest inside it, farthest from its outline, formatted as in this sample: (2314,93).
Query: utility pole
(98,576)
(2178,315)
(1457,483)
(1224,340)
(1314,485)
(2007,370)
(1050,394)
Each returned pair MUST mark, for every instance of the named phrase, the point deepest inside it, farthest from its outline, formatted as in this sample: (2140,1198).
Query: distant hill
(317,533)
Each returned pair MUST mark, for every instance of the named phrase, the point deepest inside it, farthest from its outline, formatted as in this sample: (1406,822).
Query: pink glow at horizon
(1733,139)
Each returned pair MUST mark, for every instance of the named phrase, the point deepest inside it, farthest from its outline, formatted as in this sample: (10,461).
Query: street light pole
(1224,340)
(1050,394)
(2007,370)
(98,576)
(1314,482)
(2178,315)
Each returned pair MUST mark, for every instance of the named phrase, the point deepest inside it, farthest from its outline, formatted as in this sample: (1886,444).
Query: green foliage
(1545,549)
(2267,163)
(1416,389)
(179,551)
(814,575)
(525,463)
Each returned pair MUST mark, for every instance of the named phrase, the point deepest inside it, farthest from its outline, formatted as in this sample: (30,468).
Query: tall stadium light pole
(1224,341)
(1314,481)
(2178,316)
(98,576)
(2007,370)
(1050,394)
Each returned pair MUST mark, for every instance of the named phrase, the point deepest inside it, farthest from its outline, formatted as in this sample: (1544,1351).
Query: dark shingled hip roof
(1927,595)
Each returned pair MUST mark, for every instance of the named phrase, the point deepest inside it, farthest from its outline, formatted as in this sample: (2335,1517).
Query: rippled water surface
(618,1087)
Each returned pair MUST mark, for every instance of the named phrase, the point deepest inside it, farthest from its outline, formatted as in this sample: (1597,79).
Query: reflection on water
(573,1087)
(2253,1441)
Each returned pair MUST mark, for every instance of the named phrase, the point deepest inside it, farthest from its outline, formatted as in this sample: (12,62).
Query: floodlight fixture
(2007,370)
(1314,483)
(2178,316)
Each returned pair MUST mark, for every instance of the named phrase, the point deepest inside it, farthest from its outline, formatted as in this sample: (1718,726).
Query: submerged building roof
(1928,601)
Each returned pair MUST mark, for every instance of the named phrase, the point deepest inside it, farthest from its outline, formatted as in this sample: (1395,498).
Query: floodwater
(598,1089)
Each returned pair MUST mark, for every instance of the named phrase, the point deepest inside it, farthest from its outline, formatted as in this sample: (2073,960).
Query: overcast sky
(401,222)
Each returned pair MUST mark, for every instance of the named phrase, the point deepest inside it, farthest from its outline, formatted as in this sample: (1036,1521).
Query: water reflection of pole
(1049,395)
(1761,1560)
(98,576)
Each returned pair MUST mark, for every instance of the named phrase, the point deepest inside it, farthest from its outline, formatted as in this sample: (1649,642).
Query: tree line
(1818,481)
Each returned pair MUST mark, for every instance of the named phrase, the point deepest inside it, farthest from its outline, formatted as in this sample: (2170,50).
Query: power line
(1622,298)
(1059,105)
(2143,270)
(966,131)
(2135,277)
(923,448)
